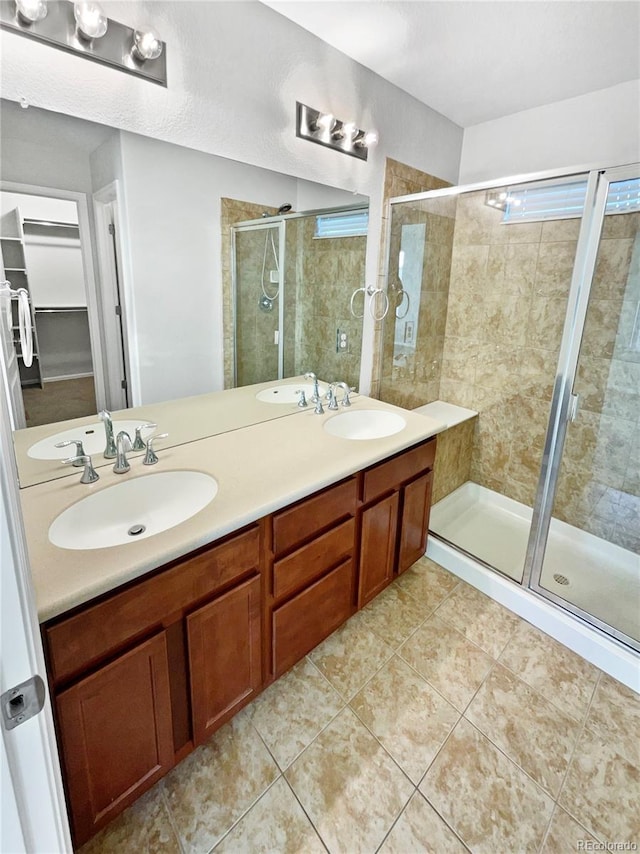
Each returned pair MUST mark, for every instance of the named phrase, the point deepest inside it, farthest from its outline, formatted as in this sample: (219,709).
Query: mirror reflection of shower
(266,298)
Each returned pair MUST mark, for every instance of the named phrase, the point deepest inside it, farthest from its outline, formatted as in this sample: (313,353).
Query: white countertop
(259,469)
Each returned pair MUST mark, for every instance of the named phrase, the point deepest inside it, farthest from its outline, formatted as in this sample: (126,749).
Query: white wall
(601,128)
(235,71)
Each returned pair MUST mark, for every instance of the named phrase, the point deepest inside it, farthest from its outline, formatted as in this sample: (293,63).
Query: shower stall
(520,302)
(293,277)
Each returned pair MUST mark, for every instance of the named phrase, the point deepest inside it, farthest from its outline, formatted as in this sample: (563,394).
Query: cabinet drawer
(398,470)
(312,560)
(309,618)
(300,522)
(76,643)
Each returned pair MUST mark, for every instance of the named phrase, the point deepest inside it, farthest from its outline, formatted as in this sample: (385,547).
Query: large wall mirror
(158,272)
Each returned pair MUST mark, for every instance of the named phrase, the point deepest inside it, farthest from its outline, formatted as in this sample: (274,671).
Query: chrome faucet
(332,397)
(315,397)
(110,449)
(77,460)
(302,402)
(347,391)
(151,458)
(89,475)
(138,443)
(123,444)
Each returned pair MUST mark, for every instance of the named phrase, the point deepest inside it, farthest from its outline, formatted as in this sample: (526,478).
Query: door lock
(22,702)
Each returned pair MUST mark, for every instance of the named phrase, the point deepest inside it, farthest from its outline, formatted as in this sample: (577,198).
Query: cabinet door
(224,656)
(414,523)
(116,735)
(377,548)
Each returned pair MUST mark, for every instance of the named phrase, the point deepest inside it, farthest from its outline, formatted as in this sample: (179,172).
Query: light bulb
(91,21)
(325,121)
(147,44)
(371,138)
(348,129)
(30,11)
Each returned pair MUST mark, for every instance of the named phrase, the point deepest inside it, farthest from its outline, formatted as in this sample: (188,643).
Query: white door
(33,812)
(10,369)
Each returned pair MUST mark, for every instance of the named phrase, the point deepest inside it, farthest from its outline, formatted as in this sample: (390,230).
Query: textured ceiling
(474,60)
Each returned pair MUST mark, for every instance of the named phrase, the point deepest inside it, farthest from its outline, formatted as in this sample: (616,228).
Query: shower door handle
(572,413)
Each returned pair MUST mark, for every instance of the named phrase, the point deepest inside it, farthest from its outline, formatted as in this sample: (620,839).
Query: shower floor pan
(601,578)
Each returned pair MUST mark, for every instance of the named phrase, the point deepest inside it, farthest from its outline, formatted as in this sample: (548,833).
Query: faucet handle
(151,458)
(138,443)
(346,401)
(319,410)
(302,403)
(89,475)
(77,460)
(110,448)
(332,396)
(316,392)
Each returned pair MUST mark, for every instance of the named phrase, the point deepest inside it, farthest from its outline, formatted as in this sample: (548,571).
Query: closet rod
(59,310)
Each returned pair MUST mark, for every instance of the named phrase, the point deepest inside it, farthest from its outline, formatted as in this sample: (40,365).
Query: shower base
(600,578)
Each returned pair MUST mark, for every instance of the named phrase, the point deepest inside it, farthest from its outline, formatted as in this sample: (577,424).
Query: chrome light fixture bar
(325,129)
(82,28)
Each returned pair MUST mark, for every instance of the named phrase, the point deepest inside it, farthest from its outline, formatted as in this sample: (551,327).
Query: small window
(345,224)
(560,201)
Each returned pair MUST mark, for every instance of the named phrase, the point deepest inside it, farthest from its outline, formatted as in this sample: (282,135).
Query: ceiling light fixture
(83,29)
(326,130)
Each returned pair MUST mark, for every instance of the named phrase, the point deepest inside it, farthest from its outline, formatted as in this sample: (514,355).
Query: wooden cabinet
(414,523)
(115,730)
(377,548)
(224,639)
(144,673)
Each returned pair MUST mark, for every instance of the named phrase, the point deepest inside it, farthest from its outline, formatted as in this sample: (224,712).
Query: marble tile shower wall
(327,271)
(233,211)
(411,373)
(507,302)
(399,180)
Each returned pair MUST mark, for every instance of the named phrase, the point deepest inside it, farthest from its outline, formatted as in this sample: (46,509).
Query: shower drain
(560,579)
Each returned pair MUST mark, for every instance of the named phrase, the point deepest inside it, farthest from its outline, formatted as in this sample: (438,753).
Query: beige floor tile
(602,791)
(276,823)
(292,711)
(487,800)
(209,791)
(563,677)
(394,614)
(529,729)
(409,718)
(447,660)
(348,786)
(428,583)
(350,656)
(420,830)
(144,826)
(565,834)
(615,716)
(479,618)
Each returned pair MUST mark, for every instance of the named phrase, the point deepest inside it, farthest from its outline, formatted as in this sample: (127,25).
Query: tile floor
(433,721)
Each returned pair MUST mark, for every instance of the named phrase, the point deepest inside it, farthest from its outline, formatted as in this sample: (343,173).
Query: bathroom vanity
(153,645)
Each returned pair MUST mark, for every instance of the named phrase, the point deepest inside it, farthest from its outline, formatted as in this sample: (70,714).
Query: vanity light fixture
(82,28)
(326,130)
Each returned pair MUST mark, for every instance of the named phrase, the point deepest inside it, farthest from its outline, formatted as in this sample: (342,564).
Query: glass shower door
(592,557)
(258,303)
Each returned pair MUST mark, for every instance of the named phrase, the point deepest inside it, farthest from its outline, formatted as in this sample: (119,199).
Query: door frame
(34,793)
(99,353)
(111,268)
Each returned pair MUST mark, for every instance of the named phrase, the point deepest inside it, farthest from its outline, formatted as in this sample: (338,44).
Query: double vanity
(257,543)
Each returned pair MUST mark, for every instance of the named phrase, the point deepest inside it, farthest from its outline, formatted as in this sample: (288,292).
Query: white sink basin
(365,424)
(286,393)
(92,435)
(113,516)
